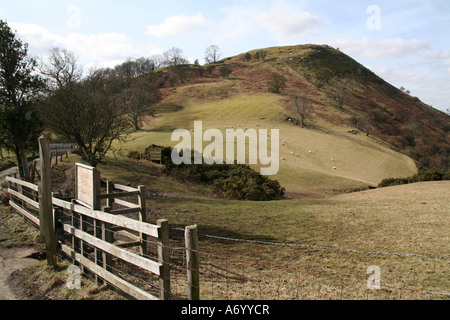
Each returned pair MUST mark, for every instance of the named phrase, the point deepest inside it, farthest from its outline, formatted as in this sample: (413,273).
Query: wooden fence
(94,239)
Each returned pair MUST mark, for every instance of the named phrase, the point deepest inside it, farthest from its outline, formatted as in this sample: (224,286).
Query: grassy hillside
(243,101)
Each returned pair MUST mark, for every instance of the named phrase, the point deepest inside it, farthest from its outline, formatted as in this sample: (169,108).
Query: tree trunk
(25,170)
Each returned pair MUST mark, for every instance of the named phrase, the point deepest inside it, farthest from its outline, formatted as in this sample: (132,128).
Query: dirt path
(11,260)
(7,172)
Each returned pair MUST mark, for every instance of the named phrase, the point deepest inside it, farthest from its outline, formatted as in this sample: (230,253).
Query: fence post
(143,218)
(46,220)
(107,236)
(164,258)
(192,262)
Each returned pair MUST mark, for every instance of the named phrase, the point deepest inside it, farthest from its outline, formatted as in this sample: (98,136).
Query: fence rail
(89,237)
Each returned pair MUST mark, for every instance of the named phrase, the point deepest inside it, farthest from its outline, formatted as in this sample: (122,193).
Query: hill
(375,133)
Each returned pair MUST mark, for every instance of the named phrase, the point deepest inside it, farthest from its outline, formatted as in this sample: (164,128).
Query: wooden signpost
(46,217)
(64,147)
(47,224)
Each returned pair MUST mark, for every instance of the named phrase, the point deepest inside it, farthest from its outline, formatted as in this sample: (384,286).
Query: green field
(330,160)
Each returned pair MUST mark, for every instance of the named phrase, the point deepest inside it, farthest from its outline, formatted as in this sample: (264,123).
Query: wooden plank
(118,194)
(116,281)
(24,198)
(126,203)
(129,244)
(121,221)
(23,183)
(25,213)
(125,211)
(124,188)
(142,217)
(128,256)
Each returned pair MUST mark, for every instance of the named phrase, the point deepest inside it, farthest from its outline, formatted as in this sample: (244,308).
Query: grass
(360,161)
(404,219)
(384,220)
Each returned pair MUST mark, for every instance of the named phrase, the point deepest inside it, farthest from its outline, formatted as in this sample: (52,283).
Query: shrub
(133,155)
(236,181)
(422,175)
(4,194)
(243,183)
(393,182)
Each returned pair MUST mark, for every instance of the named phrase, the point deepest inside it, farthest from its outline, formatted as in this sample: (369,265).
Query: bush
(423,175)
(4,194)
(236,181)
(133,155)
(393,182)
(243,183)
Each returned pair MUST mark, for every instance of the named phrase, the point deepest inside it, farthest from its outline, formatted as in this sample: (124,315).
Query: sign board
(64,147)
(87,186)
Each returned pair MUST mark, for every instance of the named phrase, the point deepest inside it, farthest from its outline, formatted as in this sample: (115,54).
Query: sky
(407,43)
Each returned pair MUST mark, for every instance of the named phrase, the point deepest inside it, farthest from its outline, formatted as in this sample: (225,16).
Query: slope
(353,145)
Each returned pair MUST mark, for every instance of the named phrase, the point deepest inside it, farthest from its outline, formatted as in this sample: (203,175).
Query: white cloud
(433,90)
(39,39)
(180,24)
(375,49)
(102,49)
(100,46)
(440,59)
(283,23)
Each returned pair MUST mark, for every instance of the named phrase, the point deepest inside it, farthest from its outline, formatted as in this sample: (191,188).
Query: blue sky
(405,42)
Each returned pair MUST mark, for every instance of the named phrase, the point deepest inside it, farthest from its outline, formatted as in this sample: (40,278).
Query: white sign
(87,185)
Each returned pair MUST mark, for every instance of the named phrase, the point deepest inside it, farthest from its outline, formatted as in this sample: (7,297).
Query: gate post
(164,258)
(192,262)
(46,219)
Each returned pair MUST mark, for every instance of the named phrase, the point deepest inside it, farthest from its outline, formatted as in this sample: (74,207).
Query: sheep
(292,153)
(334,168)
(283,158)
(297,155)
(310,151)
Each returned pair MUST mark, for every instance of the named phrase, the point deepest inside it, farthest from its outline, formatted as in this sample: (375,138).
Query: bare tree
(139,99)
(158,60)
(339,93)
(61,69)
(178,63)
(83,111)
(276,82)
(212,54)
(366,123)
(302,106)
